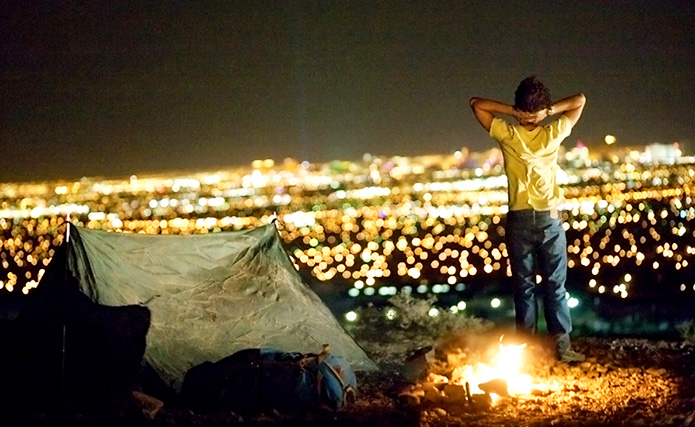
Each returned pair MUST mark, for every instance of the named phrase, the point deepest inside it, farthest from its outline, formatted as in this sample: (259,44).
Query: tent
(208,295)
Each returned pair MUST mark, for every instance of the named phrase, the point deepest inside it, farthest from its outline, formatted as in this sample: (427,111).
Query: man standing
(536,240)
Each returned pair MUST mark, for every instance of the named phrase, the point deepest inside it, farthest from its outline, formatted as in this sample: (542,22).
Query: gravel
(623,382)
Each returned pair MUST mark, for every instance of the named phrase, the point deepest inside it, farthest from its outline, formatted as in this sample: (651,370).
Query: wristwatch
(550,111)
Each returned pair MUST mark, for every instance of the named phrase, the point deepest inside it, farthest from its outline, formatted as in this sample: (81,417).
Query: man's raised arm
(572,107)
(486,109)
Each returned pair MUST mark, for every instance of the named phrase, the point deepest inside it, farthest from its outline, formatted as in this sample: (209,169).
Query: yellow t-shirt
(530,162)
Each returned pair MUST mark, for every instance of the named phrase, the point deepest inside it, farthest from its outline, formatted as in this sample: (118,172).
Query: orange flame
(506,366)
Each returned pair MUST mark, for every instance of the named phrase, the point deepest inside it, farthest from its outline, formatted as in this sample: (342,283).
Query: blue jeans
(537,245)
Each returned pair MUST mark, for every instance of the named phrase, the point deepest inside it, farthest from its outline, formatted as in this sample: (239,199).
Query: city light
(440,231)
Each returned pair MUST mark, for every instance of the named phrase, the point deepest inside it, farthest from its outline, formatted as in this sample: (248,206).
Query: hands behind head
(526,118)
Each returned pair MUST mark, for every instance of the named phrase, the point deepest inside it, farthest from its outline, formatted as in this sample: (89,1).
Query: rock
(416,364)
(409,399)
(418,392)
(482,400)
(690,419)
(408,388)
(656,372)
(436,378)
(428,386)
(577,371)
(439,412)
(149,405)
(455,359)
(455,392)
(540,392)
(433,395)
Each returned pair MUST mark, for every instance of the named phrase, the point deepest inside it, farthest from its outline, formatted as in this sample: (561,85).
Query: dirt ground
(631,382)
(623,382)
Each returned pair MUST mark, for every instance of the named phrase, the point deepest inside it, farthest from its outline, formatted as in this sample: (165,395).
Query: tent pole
(63,397)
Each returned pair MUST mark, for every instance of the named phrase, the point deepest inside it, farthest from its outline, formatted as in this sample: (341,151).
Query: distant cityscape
(371,228)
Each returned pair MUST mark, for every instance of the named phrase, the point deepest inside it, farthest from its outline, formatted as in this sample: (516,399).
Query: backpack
(262,379)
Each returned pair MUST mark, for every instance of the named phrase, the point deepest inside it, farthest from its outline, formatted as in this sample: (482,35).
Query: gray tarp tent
(210,295)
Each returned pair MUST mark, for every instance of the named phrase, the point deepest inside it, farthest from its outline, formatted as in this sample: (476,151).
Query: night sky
(114,88)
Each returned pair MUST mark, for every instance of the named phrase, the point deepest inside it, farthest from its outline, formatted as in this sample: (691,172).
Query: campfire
(472,372)
(501,377)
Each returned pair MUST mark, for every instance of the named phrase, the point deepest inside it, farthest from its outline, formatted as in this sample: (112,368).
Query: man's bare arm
(572,107)
(486,109)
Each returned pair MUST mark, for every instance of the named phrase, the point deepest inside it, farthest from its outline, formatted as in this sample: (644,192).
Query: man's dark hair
(531,95)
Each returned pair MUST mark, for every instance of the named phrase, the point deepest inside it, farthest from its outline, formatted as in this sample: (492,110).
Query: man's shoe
(570,356)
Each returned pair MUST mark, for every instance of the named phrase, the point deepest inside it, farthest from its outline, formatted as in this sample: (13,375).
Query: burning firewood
(497,386)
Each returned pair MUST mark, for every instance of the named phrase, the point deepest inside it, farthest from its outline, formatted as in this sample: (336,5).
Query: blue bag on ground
(263,379)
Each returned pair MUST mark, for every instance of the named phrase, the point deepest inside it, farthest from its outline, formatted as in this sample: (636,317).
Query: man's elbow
(581,99)
(473,102)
